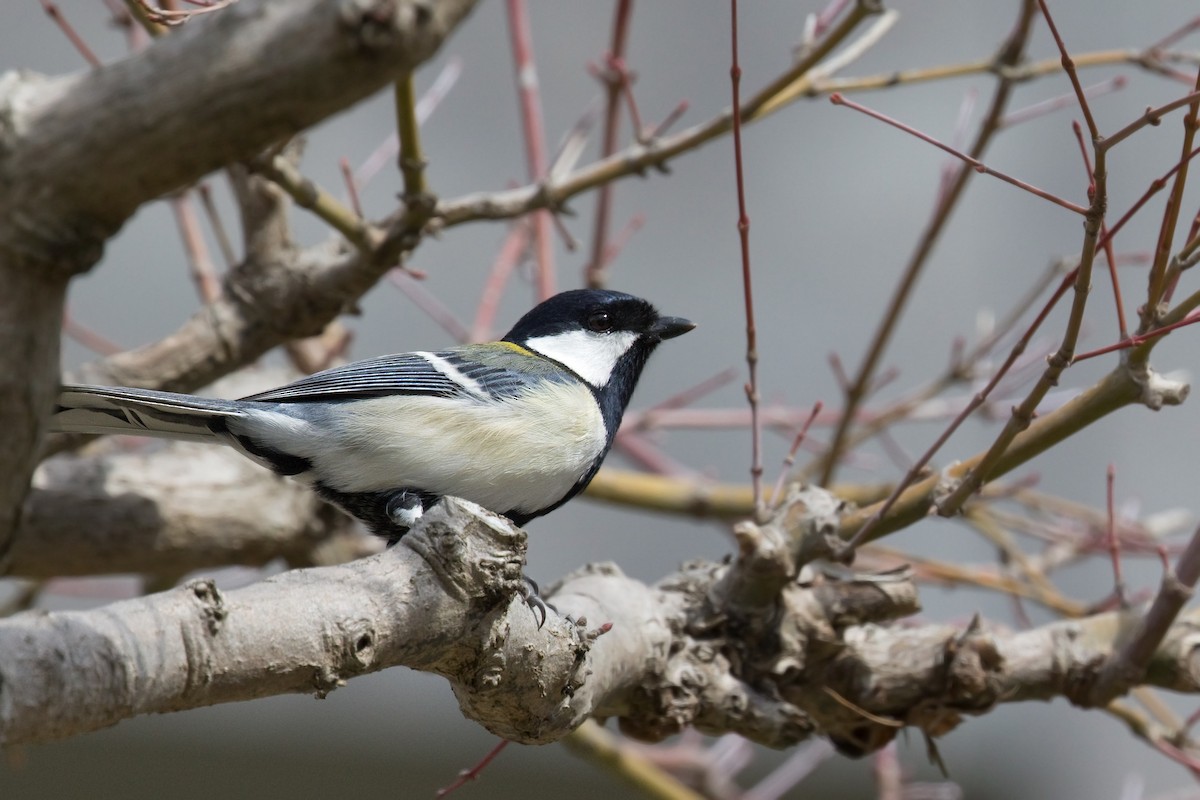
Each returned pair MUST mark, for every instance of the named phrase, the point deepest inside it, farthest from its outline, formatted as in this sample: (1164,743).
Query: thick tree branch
(75,185)
(703,648)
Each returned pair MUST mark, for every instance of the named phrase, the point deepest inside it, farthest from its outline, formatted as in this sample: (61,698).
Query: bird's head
(602,336)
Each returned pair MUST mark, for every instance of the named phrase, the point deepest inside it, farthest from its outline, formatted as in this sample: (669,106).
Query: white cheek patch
(591,356)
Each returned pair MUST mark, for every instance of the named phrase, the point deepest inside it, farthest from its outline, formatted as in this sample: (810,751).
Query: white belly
(521,454)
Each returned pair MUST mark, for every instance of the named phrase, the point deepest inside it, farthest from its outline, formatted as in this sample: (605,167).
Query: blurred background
(837,202)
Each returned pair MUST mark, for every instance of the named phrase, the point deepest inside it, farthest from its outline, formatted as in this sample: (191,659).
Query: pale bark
(699,649)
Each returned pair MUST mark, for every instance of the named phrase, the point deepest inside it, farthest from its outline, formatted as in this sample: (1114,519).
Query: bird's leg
(405,507)
(533,599)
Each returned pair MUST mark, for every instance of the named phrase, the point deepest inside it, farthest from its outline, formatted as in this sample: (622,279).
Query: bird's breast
(521,453)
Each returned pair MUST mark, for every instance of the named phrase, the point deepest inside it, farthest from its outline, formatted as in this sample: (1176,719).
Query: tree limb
(696,650)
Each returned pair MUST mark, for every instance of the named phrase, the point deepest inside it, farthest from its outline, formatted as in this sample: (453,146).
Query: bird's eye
(599,322)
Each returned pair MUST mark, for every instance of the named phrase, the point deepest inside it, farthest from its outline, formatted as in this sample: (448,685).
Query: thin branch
(516,245)
(1010,53)
(216,225)
(411,159)
(200,266)
(1128,665)
(308,194)
(743,228)
(535,138)
(55,13)
(638,157)
(1023,414)
(974,163)
(1114,543)
(1072,74)
(594,273)
(1159,283)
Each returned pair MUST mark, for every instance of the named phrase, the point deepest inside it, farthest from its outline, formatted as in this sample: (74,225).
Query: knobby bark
(758,646)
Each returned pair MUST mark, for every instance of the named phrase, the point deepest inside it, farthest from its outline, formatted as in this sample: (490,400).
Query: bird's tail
(141,412)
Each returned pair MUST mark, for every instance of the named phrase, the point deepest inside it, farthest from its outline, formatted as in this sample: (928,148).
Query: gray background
(836,201)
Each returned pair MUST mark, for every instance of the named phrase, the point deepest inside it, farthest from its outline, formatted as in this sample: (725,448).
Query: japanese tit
(519,426)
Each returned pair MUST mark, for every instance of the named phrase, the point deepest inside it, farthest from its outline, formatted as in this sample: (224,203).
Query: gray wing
(485,370)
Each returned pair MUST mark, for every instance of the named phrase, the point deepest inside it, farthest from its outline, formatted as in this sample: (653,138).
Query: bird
(518,426)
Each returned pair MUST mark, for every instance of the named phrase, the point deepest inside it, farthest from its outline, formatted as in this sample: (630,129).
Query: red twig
(743,227)
(649,418)
(790,460)
(1072,74)
(950,168)
(425,300)
(838,100)
(136,35)
(1156,186)
(1062,101)
(1140,338)
(514,247)
(96,342)
(535,138)
(595,274)
(669,120)
(52,10)
(914,472)
(216,225)
(633,445)
(1175,35)
(823,20)
(474,772)
(200,265)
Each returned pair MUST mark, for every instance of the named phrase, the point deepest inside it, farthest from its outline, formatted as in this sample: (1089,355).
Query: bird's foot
(533,598)
(405,508)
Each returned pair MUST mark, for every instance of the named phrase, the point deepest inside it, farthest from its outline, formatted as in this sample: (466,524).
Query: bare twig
(594,272)
(55,13)
(200,266)
(468,775)
(743,228)
(1128,665)
(412,160)
(1010,53)
(1023,414)
(535,138)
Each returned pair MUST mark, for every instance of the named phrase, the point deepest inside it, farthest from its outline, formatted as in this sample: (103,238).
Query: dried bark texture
(695,650)
(68,186)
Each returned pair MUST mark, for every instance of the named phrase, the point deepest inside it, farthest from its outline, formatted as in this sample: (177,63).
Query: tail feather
(141,412)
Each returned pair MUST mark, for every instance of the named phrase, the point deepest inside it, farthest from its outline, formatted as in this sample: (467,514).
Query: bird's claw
(533,599)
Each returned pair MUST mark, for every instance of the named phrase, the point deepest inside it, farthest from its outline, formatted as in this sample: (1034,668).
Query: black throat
(614,396)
